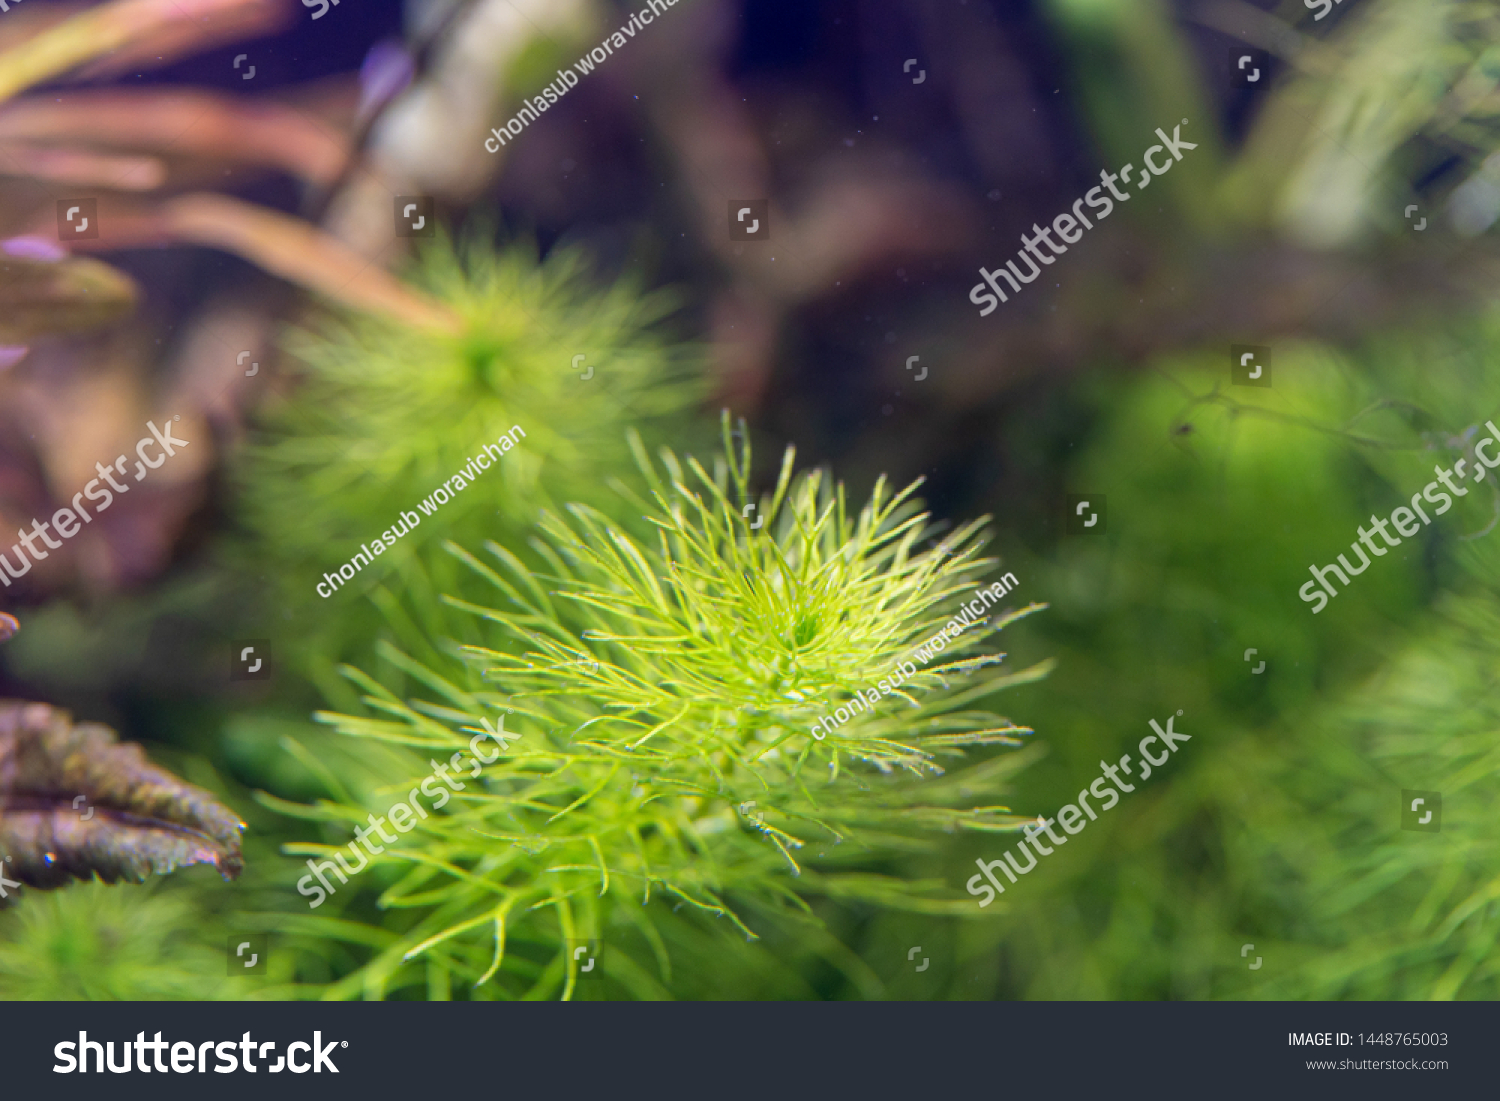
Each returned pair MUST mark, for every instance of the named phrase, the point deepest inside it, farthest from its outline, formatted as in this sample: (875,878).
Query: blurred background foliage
(1340,211)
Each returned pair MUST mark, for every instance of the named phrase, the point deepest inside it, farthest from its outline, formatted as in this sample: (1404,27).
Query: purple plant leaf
(76,803)
(33,248)
(385,73)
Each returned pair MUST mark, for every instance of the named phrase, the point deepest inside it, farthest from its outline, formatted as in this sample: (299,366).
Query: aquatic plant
(660,692)
(1287,833)
(381,413)
(96,942)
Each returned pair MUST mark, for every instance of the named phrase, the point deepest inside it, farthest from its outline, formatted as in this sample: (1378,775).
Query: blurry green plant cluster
(1285,831)
(94,942)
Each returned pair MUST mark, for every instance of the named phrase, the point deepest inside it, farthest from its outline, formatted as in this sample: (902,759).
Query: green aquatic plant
(381,413)
(656,697)
(1286,833)
(1380,907)
(96,942)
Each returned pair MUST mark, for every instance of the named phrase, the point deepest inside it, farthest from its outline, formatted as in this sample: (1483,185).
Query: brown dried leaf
(75,803)
(60,296)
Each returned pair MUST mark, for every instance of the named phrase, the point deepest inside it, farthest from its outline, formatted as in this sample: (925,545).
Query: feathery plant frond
(382,414)
(664,690)
(386,412)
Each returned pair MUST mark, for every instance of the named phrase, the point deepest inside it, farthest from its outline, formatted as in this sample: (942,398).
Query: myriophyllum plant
(384,412)
(663,691)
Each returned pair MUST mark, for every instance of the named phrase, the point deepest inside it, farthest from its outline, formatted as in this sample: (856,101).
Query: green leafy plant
(663,690)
